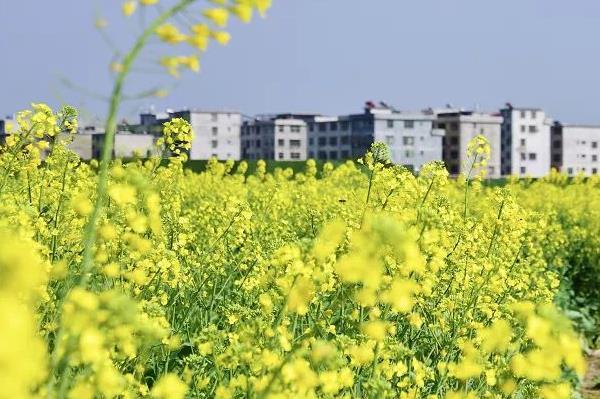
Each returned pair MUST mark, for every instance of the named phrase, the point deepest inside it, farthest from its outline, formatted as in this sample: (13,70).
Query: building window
(408,140)
(345,140)
(280,155)
(594,144)
(594,170)
(344,125)
(295,155)
(215,130)
(570,171)
(389,140)
(523,114)
(214,117)
(409,124)
(441,126)
(523,142)
(453,154)
(594,158)
(311,141)
(454,140)
(523,170)
(333,126)
(523,128)
(409,153)
(333,141)
(333,154)
(556,157)
(533,129)
(295,129)
(322,141)
(311,154)
(390,124)
(322,127)
(345,154)
(280,142)
(523,156)
(454,126)
(258,143)
(533,114)
(322,155)
(214,143)
(295,143)
(532,156)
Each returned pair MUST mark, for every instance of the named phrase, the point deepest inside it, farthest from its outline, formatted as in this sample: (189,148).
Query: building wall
(82,145)
(526,142)
(330,139)
(462,127)
(216,134)
(257,138)
(129,145)
(411,138)
(290,140)
(580,149)
(278,138)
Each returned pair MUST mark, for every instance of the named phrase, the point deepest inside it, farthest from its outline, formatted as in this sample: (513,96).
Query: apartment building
(460,127)
(410,136)
(280,137)
(330,138)
(216,133)
(525,141)
(575,149)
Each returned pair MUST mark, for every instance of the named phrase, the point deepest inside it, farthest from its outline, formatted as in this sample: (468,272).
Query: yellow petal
(129,8)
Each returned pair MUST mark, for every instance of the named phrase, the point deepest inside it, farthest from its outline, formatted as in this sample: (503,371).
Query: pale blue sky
(327,56)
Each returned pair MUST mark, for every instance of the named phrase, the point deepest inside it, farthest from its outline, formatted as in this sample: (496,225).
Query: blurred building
(216,133)
(575,148)
(281,137)
(410,136)
(460,127)
(525,141)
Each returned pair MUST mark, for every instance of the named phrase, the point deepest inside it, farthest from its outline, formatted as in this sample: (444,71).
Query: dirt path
(591,381)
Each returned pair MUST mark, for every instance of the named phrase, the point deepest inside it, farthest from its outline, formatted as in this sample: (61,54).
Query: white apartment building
(576,149)
(216,134)
(131,145)
(280,137)
(460,128)
(410,136)
(525,142)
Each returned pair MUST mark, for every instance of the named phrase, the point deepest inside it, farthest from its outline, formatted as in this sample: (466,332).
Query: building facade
(575,149)
(411,137)
(280,137)
(216,134)
(462,126)
(525,142)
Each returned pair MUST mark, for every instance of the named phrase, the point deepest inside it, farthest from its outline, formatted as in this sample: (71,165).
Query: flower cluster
(361,280)
(198,35)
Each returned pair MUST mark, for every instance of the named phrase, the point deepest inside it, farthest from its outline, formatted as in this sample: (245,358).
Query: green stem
(90,232)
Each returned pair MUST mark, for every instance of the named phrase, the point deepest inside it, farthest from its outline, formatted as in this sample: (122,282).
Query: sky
(322,56)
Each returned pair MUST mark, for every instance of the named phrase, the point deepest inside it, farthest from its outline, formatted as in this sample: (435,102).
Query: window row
(322,141)
(530,128)
(407,124)
(330,155)
(292,143)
